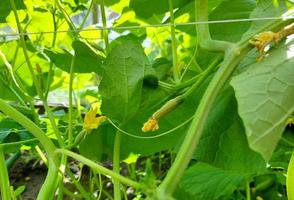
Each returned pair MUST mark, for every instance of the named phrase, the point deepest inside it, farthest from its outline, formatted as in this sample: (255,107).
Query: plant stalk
(70,102)
(290,179)
(116,165)
(104,23)
(4,178)
(48,187)
(176,71)
(98,168)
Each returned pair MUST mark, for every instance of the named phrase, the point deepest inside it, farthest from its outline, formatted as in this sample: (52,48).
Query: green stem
(204,38)
(12,159)
(53,123)
(29,125)
(75,32)
(248,190)
(95,13)
(116,165)
(35,80)
(195,130)
(176,71)
(4,178)
(78,185)
(23,44)
(233,54)
(48,186)
(79,138)
(105,31)
(51,71)
(70,100)
(87,15)
(191,81)
(98,168)
(290,179)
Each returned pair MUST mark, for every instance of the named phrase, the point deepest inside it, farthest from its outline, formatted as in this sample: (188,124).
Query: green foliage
(236,120)
(5,8)
(86,58)
(200,178)
(121,86)
(265,98)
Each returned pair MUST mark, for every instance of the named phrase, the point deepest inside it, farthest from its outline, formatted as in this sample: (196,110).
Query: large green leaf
(122,82)
(5,8)
(87,59)
(203,182)
(265,94)
(224,143)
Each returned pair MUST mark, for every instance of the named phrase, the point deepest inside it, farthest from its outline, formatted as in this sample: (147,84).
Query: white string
(150,137)
(152,25)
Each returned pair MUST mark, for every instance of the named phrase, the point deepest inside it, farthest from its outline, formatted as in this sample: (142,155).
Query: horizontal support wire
(152,26)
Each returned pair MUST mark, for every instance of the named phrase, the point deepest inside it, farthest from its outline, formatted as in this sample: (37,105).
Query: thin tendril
(150,137)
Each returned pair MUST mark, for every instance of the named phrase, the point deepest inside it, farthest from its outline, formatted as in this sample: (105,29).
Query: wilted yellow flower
(150,125)
(91,121)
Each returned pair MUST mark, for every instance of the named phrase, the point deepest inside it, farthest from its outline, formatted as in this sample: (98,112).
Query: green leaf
(10,132)
(230,10)
(92,146)
(202,182)
(265,98)
(224,143)
(87,59)
(122,82)
(5,8)
(98,145)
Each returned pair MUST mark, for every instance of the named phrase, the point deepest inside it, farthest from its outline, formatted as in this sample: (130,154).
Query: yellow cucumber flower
(91,121)
(150,125)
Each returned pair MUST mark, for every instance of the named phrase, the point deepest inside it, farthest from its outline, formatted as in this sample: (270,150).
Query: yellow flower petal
(91,121)
(150,125)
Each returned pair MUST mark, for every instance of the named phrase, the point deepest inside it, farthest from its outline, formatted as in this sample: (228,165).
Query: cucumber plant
(204,88)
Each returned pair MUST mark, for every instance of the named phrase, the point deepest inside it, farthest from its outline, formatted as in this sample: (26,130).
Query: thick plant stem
(233,54)
(98,168)
(203,33)
(290,179)
(116,165)
(176,72)
(4,179)
(105,31)
(195,130)
(48,187)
